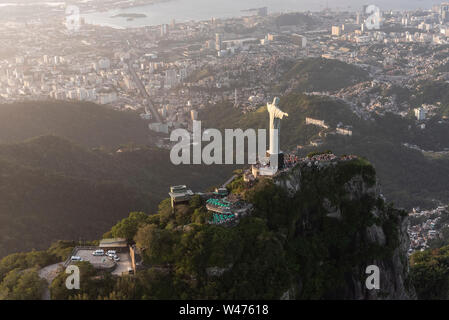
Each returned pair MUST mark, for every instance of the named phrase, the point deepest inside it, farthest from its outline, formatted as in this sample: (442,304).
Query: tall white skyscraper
(164,30)
(218,42)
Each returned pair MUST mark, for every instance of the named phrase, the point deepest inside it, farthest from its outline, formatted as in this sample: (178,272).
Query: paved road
(49,273)
(229,181)
(123,264)
(144,92)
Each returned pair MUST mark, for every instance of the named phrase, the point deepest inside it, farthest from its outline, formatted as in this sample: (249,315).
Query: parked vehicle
(76,258)
(111,253)
(130,271)
(116,258)
(99,252)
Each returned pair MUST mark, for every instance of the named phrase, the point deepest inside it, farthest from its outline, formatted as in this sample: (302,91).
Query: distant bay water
(186,10)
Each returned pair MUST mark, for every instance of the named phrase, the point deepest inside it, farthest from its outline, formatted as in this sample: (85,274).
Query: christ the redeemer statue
(276,115)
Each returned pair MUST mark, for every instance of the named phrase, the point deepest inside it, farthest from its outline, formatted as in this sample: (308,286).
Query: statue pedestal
(279,157)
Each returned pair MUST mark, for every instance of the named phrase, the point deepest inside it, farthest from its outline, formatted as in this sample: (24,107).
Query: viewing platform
(179,194)
(227,210)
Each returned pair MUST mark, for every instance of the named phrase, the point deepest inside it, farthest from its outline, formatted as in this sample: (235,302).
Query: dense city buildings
(427,226)
(188,66)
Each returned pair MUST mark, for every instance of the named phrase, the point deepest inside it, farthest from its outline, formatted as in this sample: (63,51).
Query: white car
(76,258)
(98,252)
(116,258)
(111,253)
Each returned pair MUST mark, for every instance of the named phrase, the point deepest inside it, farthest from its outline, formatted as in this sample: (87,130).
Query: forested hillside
(291,246)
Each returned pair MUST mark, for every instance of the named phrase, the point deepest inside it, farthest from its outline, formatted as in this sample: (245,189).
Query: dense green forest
(274,250)
(19,279)
(430,273)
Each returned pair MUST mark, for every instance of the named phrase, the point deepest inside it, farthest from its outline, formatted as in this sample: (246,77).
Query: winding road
(49,274)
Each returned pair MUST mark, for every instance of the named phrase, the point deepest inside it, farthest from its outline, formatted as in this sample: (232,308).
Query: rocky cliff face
(343,226)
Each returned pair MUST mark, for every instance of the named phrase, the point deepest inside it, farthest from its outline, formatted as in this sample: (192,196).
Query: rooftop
(114,242)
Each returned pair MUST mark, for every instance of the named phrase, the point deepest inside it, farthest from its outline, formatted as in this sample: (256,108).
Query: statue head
(276,101)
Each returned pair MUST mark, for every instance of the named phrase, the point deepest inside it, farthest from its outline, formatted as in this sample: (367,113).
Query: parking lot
(104,262)
(123,264)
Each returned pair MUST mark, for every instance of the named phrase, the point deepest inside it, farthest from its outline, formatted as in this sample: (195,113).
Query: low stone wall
(132,254)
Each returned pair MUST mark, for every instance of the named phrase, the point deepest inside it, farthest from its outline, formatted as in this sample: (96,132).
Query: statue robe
(276,116)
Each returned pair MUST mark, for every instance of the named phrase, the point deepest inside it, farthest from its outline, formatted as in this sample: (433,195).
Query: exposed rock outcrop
(351,197)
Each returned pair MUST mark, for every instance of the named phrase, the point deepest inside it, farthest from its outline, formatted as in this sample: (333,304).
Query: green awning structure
(219,203)
(221,209)
(221,218)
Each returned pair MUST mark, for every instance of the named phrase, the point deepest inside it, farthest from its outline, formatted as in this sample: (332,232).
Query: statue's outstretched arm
(281,114)
(278,113)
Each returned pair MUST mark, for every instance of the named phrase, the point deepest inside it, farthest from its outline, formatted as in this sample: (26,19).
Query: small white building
(316,122)
(344,131)
(420,114)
